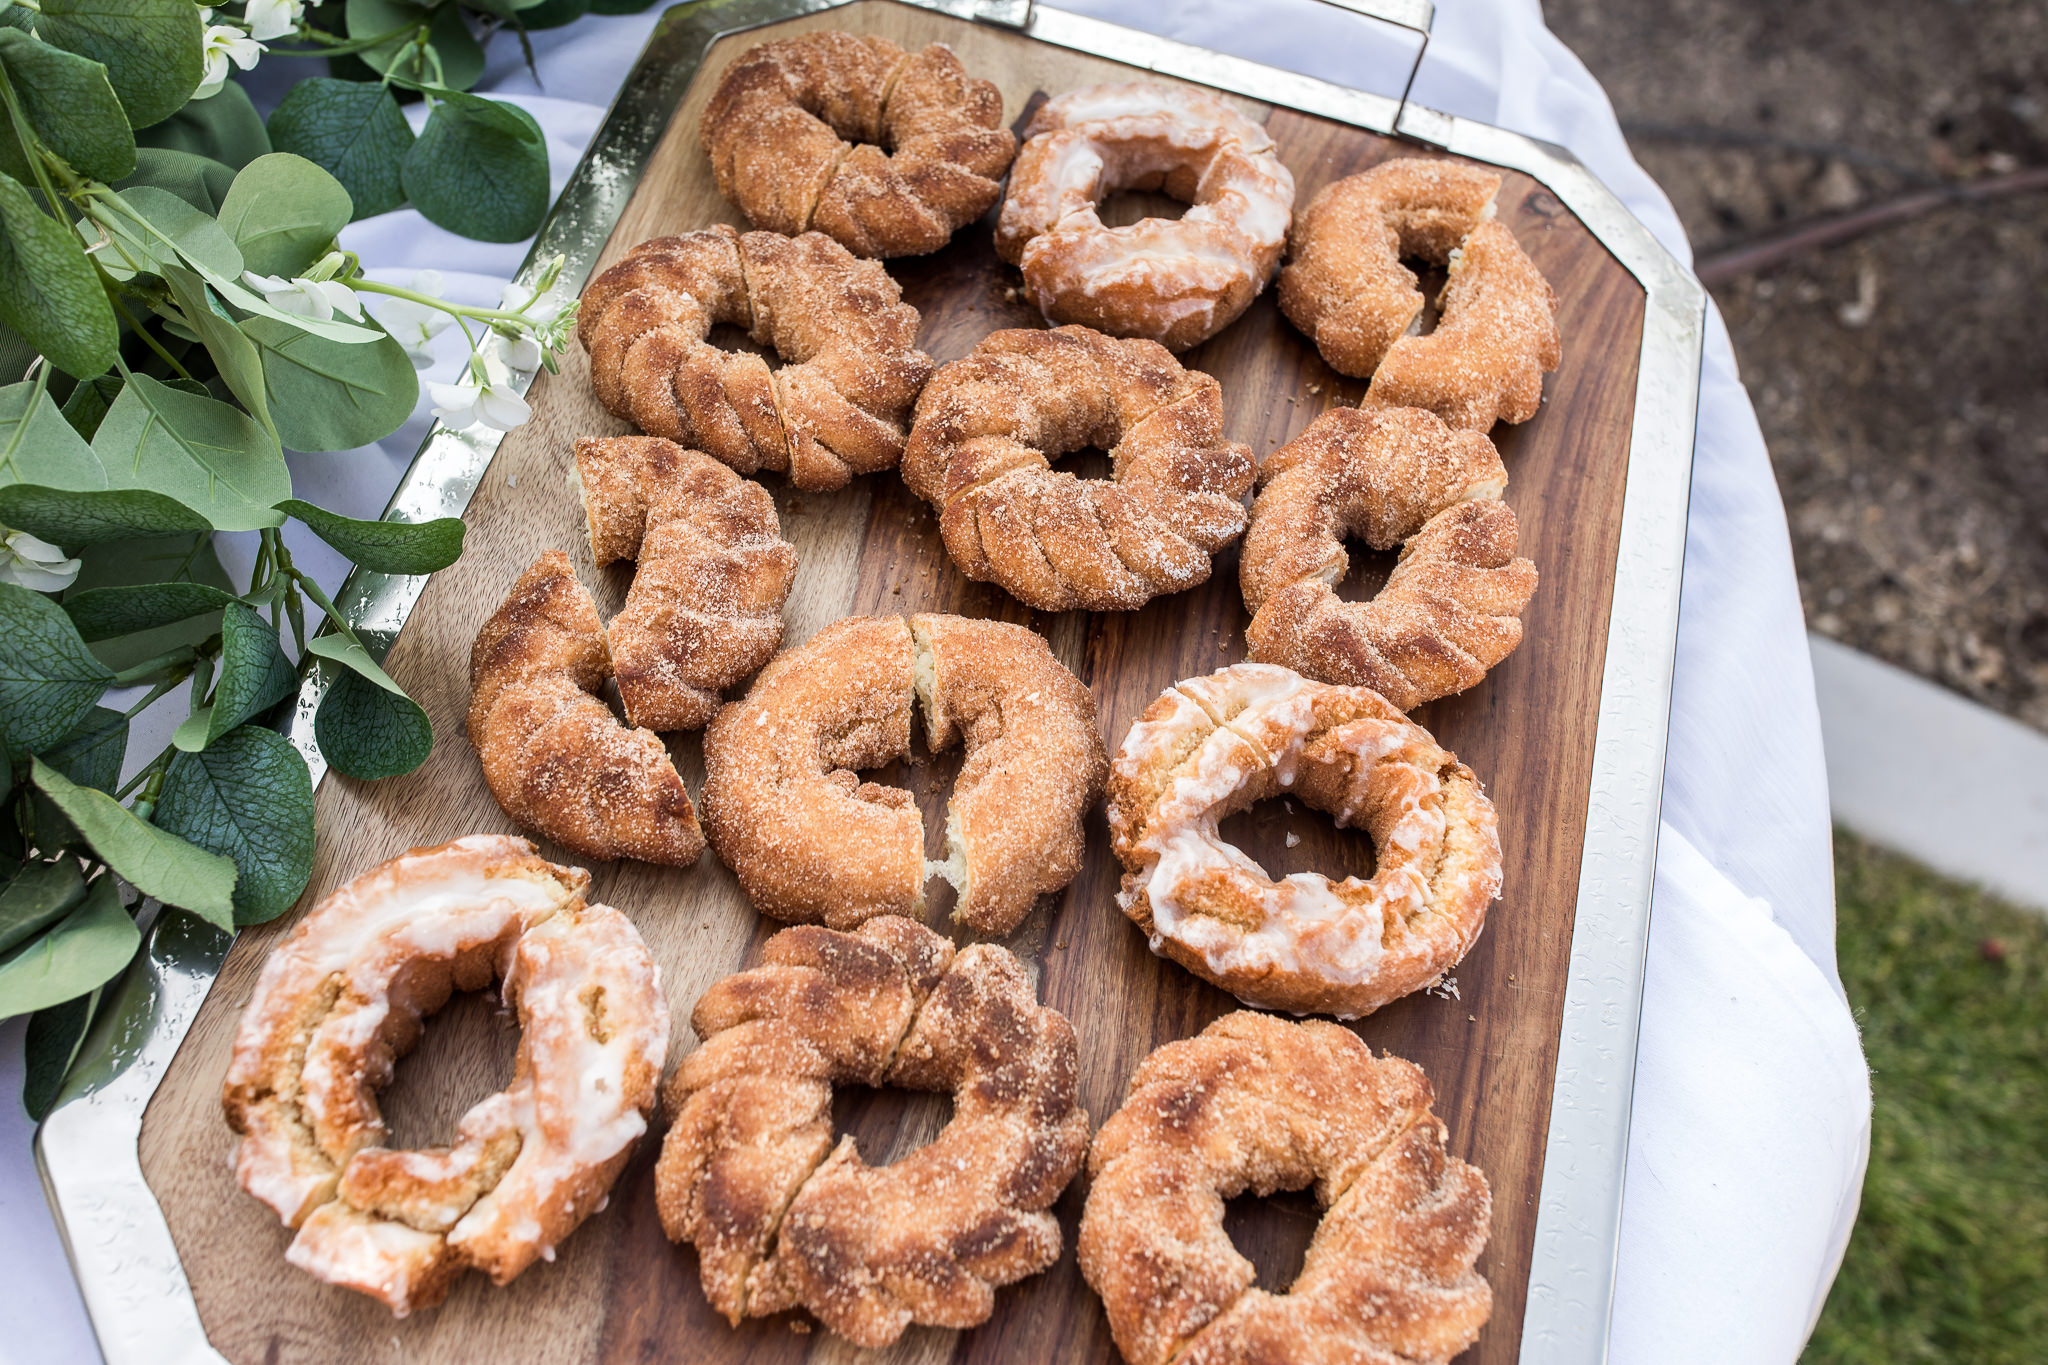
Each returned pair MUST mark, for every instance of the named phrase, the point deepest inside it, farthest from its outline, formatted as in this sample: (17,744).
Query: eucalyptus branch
(149,668)
(332,45)
(150,770)
(136,326)
(156,694)
(32,149)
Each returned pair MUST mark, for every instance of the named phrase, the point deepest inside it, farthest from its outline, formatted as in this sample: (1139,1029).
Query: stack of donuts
(841,150)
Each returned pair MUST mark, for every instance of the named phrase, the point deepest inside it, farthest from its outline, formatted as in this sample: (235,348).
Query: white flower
(35,564)
(224,43)
(269,19)
(484,396)
(415,325)
(518,353)
(315,299)
(539,311)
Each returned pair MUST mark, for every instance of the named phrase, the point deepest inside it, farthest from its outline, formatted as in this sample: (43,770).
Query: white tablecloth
(1752,1102)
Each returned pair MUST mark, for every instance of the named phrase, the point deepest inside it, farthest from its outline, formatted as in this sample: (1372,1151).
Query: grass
(1949,1261)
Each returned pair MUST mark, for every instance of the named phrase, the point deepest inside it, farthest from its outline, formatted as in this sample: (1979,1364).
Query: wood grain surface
(619,1291)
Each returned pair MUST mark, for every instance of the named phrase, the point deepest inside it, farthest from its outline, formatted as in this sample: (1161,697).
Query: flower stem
(148,340)
(458,310)
(170,658)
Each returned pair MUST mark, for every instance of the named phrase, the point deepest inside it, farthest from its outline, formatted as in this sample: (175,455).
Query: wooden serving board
(619,1291)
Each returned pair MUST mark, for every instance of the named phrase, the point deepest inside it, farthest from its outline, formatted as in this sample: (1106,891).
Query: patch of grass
(1949,1261)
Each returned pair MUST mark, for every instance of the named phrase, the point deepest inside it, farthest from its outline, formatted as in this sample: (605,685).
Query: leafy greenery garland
(175,313)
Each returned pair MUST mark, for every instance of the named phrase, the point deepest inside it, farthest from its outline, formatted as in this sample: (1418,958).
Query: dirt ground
(1901,378)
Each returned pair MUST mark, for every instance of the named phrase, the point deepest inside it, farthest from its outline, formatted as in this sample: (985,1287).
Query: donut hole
(466,1052)
(1088,462)
(1285,835)
(1121,208)
(1430,278)
(731,337)
(1273,1232)
(888,1123)
(1368,572)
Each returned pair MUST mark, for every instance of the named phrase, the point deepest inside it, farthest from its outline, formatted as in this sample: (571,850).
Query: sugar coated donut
(782,1218)
(989,426)
(1176,282)
(834,409)
(810,841)
(797,128)
(1346,287)
(705,608)
(556,758)
(1257,1104)
(345,993)
(1209,747)
(1452,607)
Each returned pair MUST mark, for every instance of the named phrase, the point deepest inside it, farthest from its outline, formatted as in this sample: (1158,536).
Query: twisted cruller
(797,128)
(851,366)
(1451,609)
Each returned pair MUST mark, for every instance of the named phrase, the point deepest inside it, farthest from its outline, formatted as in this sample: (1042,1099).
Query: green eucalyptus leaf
(404,547)
(37,442)
(104,613)
(49,294)
(190,736)
(171,230)
(480,168)
(156,862)
(458,57)
(83,951)
(16,355)
(74,518)
(552,14)
(283,212)
(233,353)
(200,181)
(224,126)
(151,49)
(49,681)
(330,396)
(37,897)
(210,456)
(254,673)
(90,756)
(18,16)
(146,563)
(49,1047)
(366,726)
(85,407)
(67,101)
(352,129)
(248,797)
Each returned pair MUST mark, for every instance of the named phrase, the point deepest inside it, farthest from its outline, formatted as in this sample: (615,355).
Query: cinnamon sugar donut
(782,1219)
(1347,289)
(705,608)
(1176,282)
(556,758)
(989,426)
(782,127)
(848,342)
(1208,748)
(1451,609)
(1255,1103)
(346,993)
(810,841)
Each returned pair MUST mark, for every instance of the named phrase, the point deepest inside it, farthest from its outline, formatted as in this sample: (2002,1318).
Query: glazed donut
(705,608)
(1451,609)
(989,426)
(1208,748)
(849,342)
(556,758)
(782,125)
(810,841)
(1176,282)
(1256,1103)
(781,1218)
(345,994)
(1346,288)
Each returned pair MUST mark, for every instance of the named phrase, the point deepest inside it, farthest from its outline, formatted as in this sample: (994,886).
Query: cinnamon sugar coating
(1209,747)
(1452,607)
(1175,281)
(346,993)
(989,426)
(782,1218)
(887,152)
(556,758)
(810,841)
(1346,288)
(1257,1104)
(705,608)
(851,367)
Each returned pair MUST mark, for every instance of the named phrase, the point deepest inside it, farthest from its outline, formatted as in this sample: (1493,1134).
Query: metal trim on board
(135,1290)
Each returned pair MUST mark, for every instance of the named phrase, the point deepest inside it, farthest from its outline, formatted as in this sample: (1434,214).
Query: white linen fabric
(1752,1102)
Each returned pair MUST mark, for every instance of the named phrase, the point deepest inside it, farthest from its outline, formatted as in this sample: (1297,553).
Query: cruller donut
(1256,1103)
(1176,281)
(989,426)
(1209,747)
(1452,607)
(346,992)
(781,1218)
(797,131)
(810,841)
(848,341)
(1346,287)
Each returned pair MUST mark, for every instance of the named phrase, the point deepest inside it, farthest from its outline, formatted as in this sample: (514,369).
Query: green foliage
(209,456)
(49,294)
(249,797)
(66,99)
(351,129)
(75,519)
(480,168)
(104,613)
(329,396)
(36,439)
(50,1046)
(153,861)
(228,343)
(200,181)
(49,680)
(151,229)
(149,47)
(224,127)
(37,897)
(366,726)
(168,561)
(84,950)
(1949,1258)
(386,546)
(283,211)
(449,59)
(89,755)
